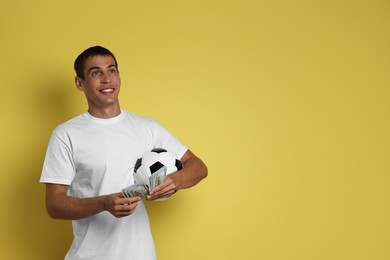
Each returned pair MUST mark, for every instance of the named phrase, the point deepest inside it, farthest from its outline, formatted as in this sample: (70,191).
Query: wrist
(177,180)
(104,203)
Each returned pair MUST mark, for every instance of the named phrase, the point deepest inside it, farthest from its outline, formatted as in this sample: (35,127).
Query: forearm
(193,172)
(61,206)
(72,208)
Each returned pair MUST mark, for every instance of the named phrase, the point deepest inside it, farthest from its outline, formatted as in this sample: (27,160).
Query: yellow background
(286,101)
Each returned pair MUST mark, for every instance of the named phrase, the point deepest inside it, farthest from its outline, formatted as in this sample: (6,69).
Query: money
(157,177)
(141,190)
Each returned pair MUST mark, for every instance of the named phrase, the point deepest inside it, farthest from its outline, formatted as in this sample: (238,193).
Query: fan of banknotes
(141,190)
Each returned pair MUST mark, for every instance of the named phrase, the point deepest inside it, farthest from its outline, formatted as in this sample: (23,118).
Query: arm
(61,206)
(193,172)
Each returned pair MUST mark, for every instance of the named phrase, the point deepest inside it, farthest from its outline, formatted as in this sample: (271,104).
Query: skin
(101,85)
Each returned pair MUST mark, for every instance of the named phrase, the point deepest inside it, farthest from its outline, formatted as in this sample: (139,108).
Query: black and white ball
(152,161)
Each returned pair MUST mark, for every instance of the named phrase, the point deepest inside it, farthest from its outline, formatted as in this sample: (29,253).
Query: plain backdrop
(287,102)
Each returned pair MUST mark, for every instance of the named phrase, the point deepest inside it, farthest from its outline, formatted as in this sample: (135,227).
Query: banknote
(142,190)
(157,177)
(134,190)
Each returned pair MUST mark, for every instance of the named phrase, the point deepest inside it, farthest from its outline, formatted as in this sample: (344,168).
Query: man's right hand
(61,206)
(120,206)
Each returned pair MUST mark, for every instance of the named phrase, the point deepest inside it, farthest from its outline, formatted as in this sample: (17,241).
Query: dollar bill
(140,190)
(157,177)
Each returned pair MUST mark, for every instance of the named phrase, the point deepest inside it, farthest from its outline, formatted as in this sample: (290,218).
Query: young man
(90,159)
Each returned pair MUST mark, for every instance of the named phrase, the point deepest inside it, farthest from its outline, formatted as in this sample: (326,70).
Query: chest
(108,147)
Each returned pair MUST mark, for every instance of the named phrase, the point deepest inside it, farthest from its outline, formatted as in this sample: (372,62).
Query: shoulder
(138,118)
(75,123)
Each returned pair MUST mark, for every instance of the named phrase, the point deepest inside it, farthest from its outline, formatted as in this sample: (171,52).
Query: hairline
(83,67)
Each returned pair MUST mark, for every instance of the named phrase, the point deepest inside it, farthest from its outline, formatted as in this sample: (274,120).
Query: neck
(105,113)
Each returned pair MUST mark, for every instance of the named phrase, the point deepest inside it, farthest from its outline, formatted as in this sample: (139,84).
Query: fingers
(167,186)
(161,196)
(165,190)
(122,207)
(124,212)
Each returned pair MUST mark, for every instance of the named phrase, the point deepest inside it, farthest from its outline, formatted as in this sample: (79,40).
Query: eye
(95,73)
(112,71)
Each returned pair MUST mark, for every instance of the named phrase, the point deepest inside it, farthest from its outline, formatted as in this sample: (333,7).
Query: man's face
(101,82)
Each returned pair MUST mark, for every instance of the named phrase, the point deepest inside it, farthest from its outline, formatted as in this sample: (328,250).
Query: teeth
(107,90)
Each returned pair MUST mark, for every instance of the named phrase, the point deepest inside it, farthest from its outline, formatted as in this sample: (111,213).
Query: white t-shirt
(96,157)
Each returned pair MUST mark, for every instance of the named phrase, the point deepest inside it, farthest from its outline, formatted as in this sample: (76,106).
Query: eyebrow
(96,67)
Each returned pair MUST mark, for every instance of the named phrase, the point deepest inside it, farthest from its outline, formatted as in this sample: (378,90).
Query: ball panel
(179,165)
(138,163)
(141,176)
(149,158)
(155,167)
(171,169)
(166,158)
(158,150)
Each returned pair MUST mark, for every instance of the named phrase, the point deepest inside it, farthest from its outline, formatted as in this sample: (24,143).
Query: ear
(79,83)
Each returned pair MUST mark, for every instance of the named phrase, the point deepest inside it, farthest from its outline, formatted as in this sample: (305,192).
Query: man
(90,158)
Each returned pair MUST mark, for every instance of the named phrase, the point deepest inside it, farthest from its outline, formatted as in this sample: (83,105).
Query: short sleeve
(58,166)
(164,139)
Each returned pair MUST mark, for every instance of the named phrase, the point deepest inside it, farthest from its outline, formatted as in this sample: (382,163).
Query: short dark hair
(92,51)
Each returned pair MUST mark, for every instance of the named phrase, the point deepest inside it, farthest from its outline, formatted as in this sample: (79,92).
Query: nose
(105,79)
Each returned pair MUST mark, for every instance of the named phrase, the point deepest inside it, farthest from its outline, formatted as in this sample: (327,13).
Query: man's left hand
(165,189)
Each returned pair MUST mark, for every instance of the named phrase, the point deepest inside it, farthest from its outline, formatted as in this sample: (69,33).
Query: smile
(107,90)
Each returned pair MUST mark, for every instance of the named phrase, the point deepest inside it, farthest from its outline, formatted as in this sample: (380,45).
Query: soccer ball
(152,161)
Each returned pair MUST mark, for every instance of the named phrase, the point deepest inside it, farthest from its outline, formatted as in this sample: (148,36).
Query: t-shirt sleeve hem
(182,152)
(54,181)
